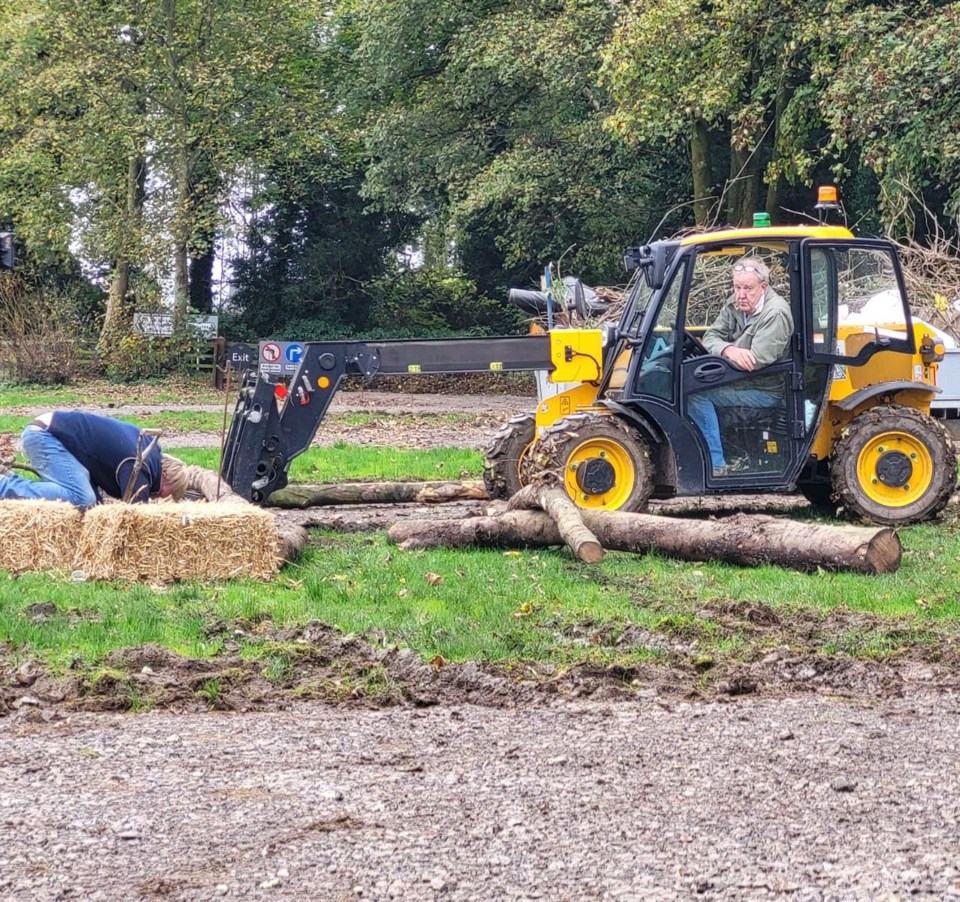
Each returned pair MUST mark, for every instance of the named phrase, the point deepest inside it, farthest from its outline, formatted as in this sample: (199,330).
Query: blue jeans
(703,412)
(62,476)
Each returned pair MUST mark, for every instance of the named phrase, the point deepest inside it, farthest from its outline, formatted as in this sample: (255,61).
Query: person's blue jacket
(108,448)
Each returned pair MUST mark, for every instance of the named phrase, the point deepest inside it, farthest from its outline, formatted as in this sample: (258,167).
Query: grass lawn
(504,606)
(507,607)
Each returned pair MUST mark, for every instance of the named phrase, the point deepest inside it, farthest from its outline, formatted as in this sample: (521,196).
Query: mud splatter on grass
(783,654)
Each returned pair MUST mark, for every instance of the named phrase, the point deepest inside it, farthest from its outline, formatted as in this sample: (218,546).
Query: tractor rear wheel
(603,463)
(894,465)
(504,457)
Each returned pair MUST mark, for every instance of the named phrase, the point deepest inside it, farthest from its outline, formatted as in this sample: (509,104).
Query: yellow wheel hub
(895,469)
(600,473)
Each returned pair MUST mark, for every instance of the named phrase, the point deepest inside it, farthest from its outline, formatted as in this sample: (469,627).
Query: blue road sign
(293,353)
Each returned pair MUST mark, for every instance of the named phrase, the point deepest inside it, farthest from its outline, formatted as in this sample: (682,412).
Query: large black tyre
(603,463)
(501,464)
(894,465)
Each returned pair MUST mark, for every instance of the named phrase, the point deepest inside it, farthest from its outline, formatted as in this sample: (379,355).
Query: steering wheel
(692,346)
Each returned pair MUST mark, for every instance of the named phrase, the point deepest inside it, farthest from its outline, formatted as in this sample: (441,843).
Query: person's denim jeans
(62,476)
(703,412)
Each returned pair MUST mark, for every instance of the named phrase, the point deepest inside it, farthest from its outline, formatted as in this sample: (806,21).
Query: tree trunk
(181,228)
(116,295)
(181,288)
(292,538)
(201,282)
(561,509)
(772,205)
(702,174)
(114,318)
(744,186)
(747,539)
(303,496)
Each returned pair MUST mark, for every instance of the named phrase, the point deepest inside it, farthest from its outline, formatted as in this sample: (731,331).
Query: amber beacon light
(826,200)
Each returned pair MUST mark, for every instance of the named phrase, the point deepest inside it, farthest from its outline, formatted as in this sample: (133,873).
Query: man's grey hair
(753,265)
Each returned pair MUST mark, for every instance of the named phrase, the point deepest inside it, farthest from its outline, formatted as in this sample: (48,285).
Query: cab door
(855,302)
(757,413)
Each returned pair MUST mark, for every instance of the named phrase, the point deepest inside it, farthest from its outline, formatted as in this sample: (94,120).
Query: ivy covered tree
(894,97)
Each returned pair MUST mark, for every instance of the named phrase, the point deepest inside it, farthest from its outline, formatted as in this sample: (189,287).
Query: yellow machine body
(887,371)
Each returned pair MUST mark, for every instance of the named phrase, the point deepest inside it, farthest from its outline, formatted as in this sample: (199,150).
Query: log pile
(747,539)
(557,504)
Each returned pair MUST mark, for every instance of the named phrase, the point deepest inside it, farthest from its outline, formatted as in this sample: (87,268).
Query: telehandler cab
(850,427)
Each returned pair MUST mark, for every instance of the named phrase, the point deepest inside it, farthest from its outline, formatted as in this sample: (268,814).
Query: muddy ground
(366,670)
(323,664)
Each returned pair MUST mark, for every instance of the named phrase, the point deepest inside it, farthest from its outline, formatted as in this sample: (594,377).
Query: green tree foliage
(487,119)
(436,302)
(728,81)
(126,123)
(312,250)
(895,96)
(493,137)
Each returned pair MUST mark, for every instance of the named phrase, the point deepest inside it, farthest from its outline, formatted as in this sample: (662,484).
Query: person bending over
(80,457)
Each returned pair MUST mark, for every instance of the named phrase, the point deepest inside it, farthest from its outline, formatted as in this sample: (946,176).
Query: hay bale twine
(184,541)
(38,535)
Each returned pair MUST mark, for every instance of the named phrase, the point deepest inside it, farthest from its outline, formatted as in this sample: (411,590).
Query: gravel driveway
(804,798)
(479,417)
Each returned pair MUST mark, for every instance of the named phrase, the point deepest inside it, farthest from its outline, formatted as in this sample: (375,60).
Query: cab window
(856,303)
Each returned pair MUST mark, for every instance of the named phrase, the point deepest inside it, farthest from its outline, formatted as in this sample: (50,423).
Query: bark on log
(291,537)
(746,539)
(303,496)
(557,503)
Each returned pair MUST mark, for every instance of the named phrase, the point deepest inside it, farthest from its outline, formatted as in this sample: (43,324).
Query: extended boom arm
(268,432)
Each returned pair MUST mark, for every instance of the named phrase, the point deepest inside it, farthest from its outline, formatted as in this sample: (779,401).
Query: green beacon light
(761,220)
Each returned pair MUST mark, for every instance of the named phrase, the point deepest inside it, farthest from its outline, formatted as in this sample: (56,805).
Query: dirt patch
(482,384)
(317,662)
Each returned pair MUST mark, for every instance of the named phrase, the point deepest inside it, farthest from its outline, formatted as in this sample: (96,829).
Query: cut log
(554,501)
(292,537)
(746,539)
(210,485)
(304,496)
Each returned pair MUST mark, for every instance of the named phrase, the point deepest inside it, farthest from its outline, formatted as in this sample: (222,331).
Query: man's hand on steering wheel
(692,346)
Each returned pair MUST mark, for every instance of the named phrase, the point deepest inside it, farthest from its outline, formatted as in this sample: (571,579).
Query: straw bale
(185,540)
(38,535)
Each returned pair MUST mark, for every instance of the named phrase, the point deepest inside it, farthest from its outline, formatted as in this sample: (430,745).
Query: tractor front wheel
(894,465)
(504,457)
(603,463)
